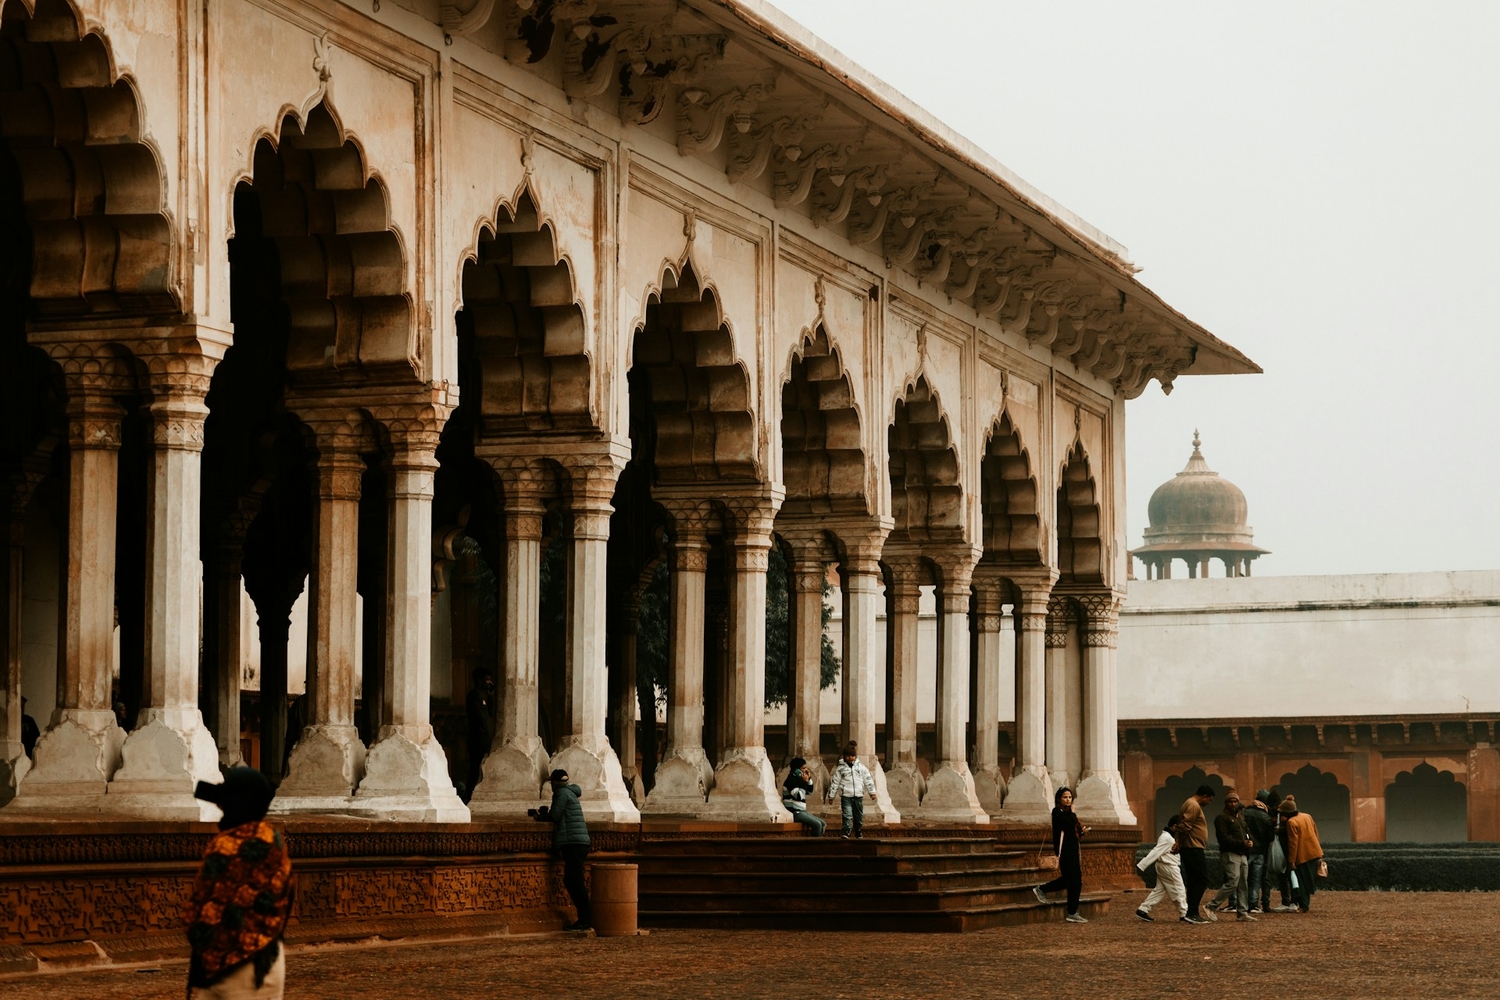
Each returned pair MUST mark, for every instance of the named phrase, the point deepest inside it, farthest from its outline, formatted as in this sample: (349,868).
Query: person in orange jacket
(1303,851)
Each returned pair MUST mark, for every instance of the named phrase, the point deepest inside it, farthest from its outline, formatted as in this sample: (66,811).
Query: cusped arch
(822,453)
(522,333)
(89,188)
(1425,805)
(1008,499)
(1322,796)
(689,394)
(1080,544)
(313,202)
(926,491)
(1175,791)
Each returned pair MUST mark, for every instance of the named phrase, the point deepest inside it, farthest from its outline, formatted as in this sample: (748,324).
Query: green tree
(778,632)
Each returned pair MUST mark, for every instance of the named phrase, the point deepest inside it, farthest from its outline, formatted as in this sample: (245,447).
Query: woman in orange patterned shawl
(242,897)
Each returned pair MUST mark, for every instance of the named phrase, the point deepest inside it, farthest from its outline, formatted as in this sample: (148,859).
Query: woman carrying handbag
(1066,833)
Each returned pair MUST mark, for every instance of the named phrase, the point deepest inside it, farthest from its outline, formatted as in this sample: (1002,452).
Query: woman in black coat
(1066,833)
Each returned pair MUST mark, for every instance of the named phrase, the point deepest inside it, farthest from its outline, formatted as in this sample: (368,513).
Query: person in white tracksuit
(1163,855)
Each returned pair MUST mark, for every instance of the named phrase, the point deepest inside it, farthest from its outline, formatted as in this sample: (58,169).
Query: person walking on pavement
(570,838)
(1303,852)
(1067,831)
(1163,855)
(1191,847)
(1235,846)
(794,792)
(1260,826)
(479,712)
(851,782)
(242,897)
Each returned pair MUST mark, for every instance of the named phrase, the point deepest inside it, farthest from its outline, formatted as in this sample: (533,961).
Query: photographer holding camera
(570,838)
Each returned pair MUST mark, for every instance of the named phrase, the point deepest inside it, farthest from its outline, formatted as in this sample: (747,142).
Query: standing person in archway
(1191,847)
(1067,831)
(1303,852)
(570,838)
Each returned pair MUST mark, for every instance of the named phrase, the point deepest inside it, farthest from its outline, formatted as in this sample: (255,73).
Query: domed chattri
(1197,516)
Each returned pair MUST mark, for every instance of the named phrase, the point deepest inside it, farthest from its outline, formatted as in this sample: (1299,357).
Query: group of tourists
(850,782)
(1263,845)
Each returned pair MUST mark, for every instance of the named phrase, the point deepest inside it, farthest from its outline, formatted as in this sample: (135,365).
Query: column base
(1028,797)
(683,781)
(14,766)
(745,789)
(511,780)
(75,759)
(950,797)
(883,811)
(905,786)
(989,788)
(163,761)
(406,780)
(1100,800)
(592,766)
(327,763)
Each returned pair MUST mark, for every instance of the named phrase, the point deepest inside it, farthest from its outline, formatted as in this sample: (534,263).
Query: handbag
(1322,868)
(1045,861)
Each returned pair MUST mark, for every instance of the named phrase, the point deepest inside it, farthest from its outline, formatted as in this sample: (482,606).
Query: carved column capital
(1101,619)
(93,422)
(1061,617)
(691,516)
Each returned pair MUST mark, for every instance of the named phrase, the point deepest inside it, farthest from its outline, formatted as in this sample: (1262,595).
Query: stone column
(804,718)
(80,750)
(1483,803)
(406,772)
(516,768)
(1367,786)
(989,782)
(1029,795)
(329,759)
(903,603)
(950,794)
(1101,798)
(1061,624)
(622,703)
(170,750)
(862,661)
(744,781)
(228,654)
(13,760)
(685,776)
(585,752)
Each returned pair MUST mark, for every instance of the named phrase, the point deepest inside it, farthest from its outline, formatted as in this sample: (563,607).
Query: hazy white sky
(1316,183)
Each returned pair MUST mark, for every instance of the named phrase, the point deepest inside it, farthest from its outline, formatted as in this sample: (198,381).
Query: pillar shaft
(951,795)
(227,658)
(1061,724)
(1101,795)
(904,602)
(863,661)
(987,678)
(1028,796)
(804,719)
(13,760)
(685,638)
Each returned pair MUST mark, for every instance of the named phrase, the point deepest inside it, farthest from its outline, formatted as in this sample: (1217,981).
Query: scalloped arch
(1080,545)
(822,453)
(927,498)
(1010,511)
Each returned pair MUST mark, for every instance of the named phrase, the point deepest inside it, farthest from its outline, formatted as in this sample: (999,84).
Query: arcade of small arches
(276,399)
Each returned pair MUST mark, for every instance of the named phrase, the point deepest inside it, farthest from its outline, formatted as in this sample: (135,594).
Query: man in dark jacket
(1260,827)
(479,709)
(1235,845)
(570,838)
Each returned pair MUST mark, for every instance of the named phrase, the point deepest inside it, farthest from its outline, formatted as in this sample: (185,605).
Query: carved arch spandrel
(703,423)
(90,184)
(523,333)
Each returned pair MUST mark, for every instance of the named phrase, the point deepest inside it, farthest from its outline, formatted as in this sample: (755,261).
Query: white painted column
(684,776)
(406,772)
(989,783)
(950,794)
(585,752)
(1101,797)
(1061,723)
(904,780)
(515,770)
(329,760)
(1028,798)
(744,781)
(863,660)
(804,717)
(80,750)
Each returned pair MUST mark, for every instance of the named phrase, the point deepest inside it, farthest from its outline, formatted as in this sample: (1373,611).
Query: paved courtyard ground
(1353,945)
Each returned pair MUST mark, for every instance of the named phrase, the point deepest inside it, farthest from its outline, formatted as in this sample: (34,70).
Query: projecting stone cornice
(745,88)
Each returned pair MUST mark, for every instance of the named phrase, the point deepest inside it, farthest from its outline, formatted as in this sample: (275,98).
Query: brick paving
(1353,945)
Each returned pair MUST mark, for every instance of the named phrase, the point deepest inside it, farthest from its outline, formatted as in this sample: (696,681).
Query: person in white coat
(1163,855)
(850,783)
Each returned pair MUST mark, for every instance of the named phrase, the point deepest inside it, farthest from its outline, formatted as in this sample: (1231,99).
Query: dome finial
(1195,439)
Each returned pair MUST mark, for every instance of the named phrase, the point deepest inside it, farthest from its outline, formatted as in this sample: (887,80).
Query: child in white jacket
(852,781)
(1163,855)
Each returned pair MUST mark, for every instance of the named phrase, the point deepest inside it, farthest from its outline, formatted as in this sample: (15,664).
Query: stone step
(795,883)
(847,900)
(793,863)
(902,920)
(825,845)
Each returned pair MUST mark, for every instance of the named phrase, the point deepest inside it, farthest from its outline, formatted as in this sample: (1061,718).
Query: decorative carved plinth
(512,779)
(745,790)
(74,761)
(1100,800)
(906,786)
(406,781)
(593,767)
(950,797)
(1028,799)
(327,763)
(683,783)
(163,761)
(989,788)
(14,766)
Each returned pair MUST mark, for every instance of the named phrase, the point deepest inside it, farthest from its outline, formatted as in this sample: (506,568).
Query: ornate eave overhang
(748,88)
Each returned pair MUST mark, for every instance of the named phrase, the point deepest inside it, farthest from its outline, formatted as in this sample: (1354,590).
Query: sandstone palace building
(310,295)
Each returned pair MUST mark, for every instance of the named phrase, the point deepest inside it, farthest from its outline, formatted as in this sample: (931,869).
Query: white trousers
(240,984)
(1168,886)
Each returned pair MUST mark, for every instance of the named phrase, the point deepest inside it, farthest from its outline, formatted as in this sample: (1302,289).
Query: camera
(531,813)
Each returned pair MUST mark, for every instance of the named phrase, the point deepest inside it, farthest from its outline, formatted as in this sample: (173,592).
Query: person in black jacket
(479,712)
(1235,845)
(794,792)
(570,838)
(1067,831)
(1261,828)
